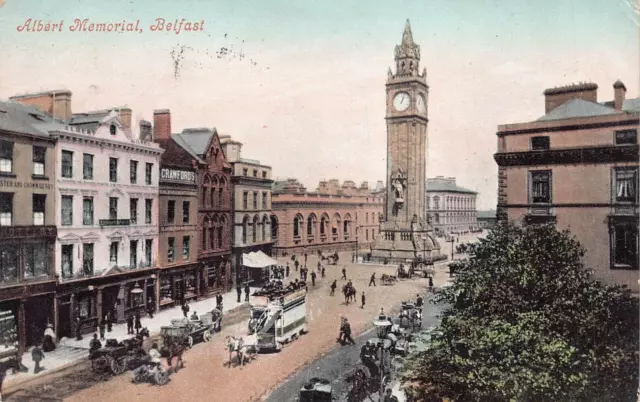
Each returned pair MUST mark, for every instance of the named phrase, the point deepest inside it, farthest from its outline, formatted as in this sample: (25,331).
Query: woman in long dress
(49,341)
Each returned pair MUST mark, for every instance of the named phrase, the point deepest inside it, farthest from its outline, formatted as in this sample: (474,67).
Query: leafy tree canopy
(527,322)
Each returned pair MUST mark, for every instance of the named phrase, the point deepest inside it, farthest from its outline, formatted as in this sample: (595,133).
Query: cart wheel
(206,336)
(116,366)
(190,341)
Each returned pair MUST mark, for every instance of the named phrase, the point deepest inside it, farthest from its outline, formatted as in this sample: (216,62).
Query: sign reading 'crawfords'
(177,175)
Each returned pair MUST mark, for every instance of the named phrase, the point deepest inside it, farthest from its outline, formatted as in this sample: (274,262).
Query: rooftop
(447,186)
(22,119)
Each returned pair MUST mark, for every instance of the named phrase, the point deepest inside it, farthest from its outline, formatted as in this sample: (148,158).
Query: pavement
(69,350)
(342,361)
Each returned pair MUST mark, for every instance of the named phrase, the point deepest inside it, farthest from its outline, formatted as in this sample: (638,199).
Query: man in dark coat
(347,332)
(287,270)
(138,323)
(373,279)
(37,355)
(130,324)
(185,309)
(322,271)
(344,273)
(247,290)
(296,264)
(363,300)
(102,328)
(333,287)
(239,292)
(313,278)
(94,344)
(109,321)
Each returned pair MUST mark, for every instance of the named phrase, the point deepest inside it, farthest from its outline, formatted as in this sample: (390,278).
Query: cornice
(71,138)
(546,127)
(571,156)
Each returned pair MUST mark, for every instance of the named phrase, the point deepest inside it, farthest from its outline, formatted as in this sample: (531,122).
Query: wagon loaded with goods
(188,331)
(116,357)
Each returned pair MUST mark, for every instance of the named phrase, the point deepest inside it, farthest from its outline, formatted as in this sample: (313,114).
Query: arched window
(214,193)
(254,232)
(205,191)
(222,187)
(265,223)
(212,232)
(274,228)
(245,227)
(296,226)
(222,224)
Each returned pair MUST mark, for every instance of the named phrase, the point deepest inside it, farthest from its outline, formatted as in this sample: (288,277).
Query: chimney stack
(554,97)
(125,116)
(161,124)
(145,131)
(56,103)
(619,93)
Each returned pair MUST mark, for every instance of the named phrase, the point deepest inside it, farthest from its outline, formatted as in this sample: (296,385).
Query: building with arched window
(251,182)
(451,208)
(333,218)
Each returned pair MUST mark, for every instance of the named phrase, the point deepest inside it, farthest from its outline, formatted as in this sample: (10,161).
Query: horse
(349,293)
(414,317)
(243,351)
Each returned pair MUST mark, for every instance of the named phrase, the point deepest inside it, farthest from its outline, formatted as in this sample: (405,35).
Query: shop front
(83,304)
(216,275)
(179,284)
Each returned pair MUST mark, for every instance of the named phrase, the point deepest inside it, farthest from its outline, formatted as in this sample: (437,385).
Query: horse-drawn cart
(388,279)
(189,331)
(117,357)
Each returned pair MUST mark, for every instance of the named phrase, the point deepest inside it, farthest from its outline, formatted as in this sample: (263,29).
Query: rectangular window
(133,253)
(67,210)
(87,211)
(255,173)
(39,156)
(6,157)
(148,173)
(148,205)
(133,172)
(87,166)
(366,234)
(540,143)
(148,252)
(67,164)
(245,172)
(540,191)
(38,205)
(171,211)
(133,210)
(67,261)
(186,243)
(625,247)
(625,137)
(171,248)
(113,170)
(35,262)
(626,184)
(255,200)
(185,211)
(245,200)
(6,209)
(264,174)
(113,253)
(264,200)
(87,259)
(8,264)
(113,207)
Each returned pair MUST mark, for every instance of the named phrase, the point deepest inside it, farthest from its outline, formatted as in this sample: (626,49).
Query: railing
(115,222)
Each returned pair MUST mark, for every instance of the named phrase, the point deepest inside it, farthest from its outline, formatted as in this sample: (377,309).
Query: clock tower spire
(405,232)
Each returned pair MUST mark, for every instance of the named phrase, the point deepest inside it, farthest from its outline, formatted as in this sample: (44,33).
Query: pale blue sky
(313,105)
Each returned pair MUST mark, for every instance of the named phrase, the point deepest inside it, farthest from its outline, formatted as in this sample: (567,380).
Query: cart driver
(194,316)
(418,301)
(154,354)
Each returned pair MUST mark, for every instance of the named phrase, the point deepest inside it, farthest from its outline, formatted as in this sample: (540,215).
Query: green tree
(527,322)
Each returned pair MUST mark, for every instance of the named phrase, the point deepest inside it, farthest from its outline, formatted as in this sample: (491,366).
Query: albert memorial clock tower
(405,233)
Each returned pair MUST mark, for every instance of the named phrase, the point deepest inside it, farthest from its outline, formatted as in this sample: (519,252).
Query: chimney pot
(619,94)
(161,124)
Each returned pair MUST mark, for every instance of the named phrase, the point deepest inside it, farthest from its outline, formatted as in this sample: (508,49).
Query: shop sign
(177,175)
(26,184)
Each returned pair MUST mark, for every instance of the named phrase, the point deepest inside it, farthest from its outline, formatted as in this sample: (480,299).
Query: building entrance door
(38,313)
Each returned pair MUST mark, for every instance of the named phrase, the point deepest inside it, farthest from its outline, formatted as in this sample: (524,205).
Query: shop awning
(257,259)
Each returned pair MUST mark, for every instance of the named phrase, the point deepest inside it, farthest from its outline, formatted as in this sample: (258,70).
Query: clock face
(401,101)
(420,104)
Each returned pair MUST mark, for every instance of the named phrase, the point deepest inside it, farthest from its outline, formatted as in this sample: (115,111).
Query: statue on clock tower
(404,231)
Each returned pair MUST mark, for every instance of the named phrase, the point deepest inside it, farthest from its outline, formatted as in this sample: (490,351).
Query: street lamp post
(452,240)
(383,325)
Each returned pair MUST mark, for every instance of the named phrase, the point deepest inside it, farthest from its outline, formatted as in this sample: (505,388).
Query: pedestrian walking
(319,265)
(363,300)
(102,329)
(287,270)
(185,309)
(296,264)
(37,355)
(305,258)
(344,273)
(333,288)
(150,308)
(246,292)
(322,271)
(138,323)
(238,291)
(313,278)
(78,328)
(347,332)
(373,279)
(130,323)
(430,284)
(109,321)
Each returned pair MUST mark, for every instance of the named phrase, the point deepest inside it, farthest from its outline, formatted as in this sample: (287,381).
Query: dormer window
(112,129)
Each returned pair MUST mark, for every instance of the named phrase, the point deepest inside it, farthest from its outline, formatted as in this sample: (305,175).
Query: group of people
(133,321)
(345,332)
(247,290)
